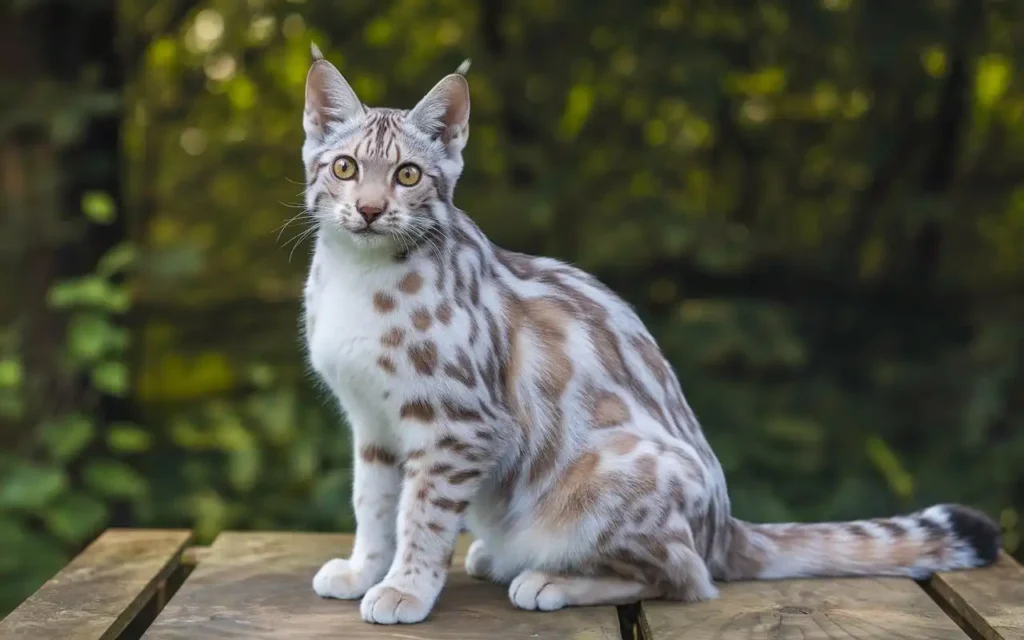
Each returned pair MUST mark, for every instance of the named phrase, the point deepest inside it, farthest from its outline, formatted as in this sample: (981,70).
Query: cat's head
(381,178)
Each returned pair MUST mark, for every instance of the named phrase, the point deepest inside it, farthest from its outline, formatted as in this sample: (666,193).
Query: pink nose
(370,212)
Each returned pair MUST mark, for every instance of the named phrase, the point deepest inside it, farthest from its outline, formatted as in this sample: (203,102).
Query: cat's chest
(359,324)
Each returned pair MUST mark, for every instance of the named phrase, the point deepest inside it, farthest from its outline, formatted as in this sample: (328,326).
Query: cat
(519,397)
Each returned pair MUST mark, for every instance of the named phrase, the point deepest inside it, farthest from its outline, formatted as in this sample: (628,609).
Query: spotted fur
(519,397)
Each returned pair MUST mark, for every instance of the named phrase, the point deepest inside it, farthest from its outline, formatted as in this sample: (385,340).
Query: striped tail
(940,538)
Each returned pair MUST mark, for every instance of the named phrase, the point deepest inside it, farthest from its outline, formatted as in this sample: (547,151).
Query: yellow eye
(408,175)
(344,168)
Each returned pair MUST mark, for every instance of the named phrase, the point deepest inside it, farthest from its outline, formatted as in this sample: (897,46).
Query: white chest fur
(348,308)
(373,335)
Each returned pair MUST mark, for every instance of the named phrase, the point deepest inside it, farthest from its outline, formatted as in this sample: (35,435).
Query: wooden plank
(860,608)
(989,601)
(259,585)
(99,593)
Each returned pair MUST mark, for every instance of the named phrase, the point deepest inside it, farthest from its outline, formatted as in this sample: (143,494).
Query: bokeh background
(817,206)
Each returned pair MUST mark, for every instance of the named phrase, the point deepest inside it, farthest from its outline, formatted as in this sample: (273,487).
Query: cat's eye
(345,168)
(408,175)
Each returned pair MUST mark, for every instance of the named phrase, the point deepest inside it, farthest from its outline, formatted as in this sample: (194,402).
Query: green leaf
(885,460)
(65,437)
(111,377)
(992,80)
(89,291)
(75,517)
(118,259)
(92,335)
(128,438)
(10,373)
(115,479)
(31,487)
(99,207)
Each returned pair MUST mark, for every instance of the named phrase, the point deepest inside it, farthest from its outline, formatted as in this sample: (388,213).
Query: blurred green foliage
(818,207)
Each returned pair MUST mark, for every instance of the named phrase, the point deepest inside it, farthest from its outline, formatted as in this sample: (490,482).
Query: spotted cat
(518,396)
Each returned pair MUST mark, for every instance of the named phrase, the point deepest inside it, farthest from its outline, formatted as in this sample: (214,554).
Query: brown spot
(547,457)
(646,478)
(575,494)
(423,356)
(652,357)
(421,319)
(386,364)
(462,369)
(440,468)
(609,410)
(417,409)
(460,413)
(474,290)
(444,313)
(422,491)
(640,515)
(416,454)
(459,448)
(457,506)
(393,337)
(858,530)
(894,528)
(376,453)
(384,302)
(463,476)
(622,443)
(435,527)
(411,283)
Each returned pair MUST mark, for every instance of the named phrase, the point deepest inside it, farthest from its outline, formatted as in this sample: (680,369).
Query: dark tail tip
(976,529)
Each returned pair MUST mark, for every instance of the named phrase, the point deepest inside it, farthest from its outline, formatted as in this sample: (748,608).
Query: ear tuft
(315,50)
(464,67)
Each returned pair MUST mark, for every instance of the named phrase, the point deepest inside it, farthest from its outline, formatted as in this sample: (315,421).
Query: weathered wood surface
(259,585)
(854,608)
(99,593)
(990,601)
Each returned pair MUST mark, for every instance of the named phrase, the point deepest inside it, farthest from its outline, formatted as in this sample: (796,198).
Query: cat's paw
(479,561)
(537,591)
(385,604)
(340,579)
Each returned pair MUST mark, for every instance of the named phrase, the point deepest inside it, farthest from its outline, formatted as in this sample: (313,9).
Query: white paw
(537,591)
(384,604)
(338,578)
(478,561)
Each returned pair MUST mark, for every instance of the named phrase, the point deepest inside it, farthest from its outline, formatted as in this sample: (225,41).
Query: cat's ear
(444,112)
(329,98)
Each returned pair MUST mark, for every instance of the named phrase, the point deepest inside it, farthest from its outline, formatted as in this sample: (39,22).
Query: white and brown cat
(519,396)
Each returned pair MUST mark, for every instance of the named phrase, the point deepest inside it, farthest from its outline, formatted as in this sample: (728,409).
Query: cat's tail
(940,538)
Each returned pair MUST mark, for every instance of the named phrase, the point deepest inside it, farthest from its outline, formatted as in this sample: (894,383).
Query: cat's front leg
(375,491)
(440,481)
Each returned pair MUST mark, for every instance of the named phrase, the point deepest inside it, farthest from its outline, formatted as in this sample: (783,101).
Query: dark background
(817,206)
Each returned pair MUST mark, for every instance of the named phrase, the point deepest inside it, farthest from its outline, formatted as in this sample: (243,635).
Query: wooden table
(151,584)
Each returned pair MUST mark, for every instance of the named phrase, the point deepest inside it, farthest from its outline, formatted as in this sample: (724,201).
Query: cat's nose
(370,210)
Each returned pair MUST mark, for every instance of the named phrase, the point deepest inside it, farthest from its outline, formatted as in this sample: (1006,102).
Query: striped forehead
(379,135)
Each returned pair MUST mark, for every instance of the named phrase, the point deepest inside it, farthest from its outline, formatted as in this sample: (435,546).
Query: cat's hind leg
(479,561)
(542,591)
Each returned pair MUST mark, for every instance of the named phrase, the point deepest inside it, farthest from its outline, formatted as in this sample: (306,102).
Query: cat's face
(380,179)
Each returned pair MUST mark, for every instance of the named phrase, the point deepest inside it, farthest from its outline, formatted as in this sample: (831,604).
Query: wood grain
(99,593)
(990,601)
(856,608)
(259,585)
